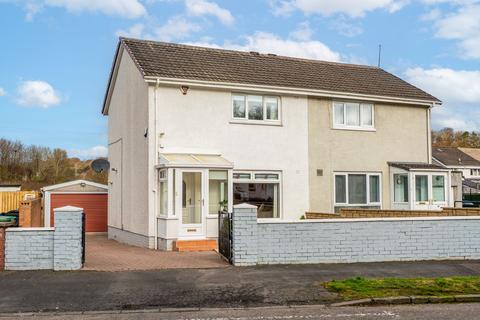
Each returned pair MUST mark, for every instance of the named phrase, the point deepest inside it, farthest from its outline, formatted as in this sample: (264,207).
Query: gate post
(68,238)
(244,235)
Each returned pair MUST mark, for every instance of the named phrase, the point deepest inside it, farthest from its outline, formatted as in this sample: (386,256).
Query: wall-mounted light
(184,89)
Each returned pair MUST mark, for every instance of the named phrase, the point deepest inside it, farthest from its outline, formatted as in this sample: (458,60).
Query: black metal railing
(225,240)
(83,238)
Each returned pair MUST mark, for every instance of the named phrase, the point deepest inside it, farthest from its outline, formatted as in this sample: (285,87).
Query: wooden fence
(10,200)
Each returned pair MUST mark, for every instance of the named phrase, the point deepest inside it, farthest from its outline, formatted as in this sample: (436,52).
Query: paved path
(409,312)
(221,287)
(109,255)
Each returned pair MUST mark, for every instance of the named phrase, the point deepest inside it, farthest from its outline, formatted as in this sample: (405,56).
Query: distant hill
(35,167)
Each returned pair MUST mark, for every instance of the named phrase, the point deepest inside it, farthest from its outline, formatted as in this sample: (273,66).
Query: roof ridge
(268,55)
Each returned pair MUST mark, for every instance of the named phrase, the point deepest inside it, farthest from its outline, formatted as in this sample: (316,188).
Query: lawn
(358,288)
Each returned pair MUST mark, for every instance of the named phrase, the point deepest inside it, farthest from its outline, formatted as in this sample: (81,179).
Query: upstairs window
(255,108)
(353,115)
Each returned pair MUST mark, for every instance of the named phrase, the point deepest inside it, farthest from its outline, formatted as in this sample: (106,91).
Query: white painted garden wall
(352,240)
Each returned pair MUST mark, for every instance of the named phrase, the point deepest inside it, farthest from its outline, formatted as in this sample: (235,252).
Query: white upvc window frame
(344,125)
(368,203)
(165,175)
(254,180)
(406,173)
(264,105)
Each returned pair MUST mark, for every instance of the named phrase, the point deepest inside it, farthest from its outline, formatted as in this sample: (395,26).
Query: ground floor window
(357,189)
(261,189)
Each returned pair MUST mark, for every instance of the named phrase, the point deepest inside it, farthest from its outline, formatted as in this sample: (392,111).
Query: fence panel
(10,200)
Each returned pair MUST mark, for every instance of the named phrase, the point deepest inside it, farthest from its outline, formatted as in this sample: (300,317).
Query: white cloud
(458,86)
(2,92)
(89,153)
(176,28)
(352,8)
(345,28)
(431,15)
(265,42)
(458,89)
(37,94)
(464,26)
(135,31)
(303,32)
(202,7)
(123,8)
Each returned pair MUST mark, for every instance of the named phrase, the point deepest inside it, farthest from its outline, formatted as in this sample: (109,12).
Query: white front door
(190,202)
(430,191)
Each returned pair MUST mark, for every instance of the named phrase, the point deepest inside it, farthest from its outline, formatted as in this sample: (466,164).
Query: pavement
(103,254)
(410,312)
(279,285)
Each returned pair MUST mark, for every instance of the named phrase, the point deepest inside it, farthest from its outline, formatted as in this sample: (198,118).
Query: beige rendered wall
(401,135)
(128,150)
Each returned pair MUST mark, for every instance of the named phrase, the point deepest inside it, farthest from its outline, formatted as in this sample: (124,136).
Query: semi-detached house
(194,130)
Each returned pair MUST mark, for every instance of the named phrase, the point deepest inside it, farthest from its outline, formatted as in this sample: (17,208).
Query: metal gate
(225,234)
(83,238)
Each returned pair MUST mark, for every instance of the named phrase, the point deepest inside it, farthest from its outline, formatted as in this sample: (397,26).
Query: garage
(91,196)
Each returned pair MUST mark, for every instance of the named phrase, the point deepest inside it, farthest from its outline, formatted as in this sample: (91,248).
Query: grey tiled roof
(451,156)
(168,60)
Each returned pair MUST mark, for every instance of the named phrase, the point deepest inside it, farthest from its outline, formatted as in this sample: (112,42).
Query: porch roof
(189,160)
(416,166)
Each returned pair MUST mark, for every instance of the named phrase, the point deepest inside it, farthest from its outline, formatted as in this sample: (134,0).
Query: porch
(420,186)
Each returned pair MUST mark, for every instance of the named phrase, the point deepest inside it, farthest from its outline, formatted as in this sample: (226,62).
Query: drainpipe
(157,84)
(429,132)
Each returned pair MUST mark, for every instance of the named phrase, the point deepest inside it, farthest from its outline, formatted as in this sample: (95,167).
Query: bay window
(357,189)
(353,115)
(255,108)
(261,189)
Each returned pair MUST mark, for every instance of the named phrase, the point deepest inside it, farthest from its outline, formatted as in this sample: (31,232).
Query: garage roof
(73,183)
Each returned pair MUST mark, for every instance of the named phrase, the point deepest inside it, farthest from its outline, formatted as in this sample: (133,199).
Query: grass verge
(359,287)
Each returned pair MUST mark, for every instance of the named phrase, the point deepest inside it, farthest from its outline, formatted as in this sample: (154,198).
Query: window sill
(256,122)
(354,128)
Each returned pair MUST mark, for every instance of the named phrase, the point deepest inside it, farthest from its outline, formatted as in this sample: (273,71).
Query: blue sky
(56,55)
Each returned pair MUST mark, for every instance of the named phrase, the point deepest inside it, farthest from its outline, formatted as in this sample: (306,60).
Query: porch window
(217,191)
(255,107)
(438,188)
(421,188)
(357,189)
(259,189)
(400,194)
(352,115)
(163,192)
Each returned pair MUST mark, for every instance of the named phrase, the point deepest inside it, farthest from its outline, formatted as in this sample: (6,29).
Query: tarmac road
(404,312)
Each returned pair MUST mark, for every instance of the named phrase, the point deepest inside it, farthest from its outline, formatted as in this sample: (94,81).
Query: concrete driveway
(103,254)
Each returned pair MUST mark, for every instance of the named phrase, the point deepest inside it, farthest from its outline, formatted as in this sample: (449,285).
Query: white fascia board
(288,91)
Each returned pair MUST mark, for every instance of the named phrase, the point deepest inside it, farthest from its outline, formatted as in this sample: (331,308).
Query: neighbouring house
(457,159)
(464,160)
(7,187)
(194,130)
